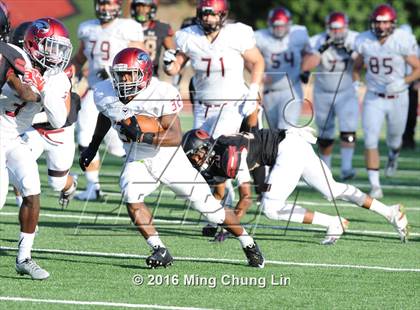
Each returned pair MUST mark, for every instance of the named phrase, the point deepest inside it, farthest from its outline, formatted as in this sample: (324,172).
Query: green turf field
(93,253)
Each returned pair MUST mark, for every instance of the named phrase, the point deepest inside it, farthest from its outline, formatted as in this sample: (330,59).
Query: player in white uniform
(385,51)
(333,93)
(218,52)
(154,158)
(58,144)
(49,47)
(287,53)
(100,40)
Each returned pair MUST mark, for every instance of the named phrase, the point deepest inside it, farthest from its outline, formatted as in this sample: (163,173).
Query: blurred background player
(333,93)
(156,33)
(287,53)
(385,51)
(154,157)
(100,40)
(218,51)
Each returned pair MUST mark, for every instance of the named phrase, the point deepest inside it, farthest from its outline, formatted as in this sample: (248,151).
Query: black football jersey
(153,41)
(261,146)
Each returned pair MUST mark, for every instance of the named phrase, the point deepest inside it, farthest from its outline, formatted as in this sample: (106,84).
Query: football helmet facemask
(151,15)
(47,42)
(198,146)
(279,22)
(336,25)
(212,7)
(383,13)
(131,72)
(104,14)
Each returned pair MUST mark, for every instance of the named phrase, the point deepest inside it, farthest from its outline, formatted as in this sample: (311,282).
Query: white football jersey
(101,44)
(283,57)
(16,115)
(385,63)
(218,65)
(158,99)
(336,65)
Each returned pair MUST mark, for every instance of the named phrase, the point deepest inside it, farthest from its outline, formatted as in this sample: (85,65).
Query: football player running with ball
(385,51)
(291,157)
(154,157)
(100,40)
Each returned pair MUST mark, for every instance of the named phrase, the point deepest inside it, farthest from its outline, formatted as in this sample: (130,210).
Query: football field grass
(96,257)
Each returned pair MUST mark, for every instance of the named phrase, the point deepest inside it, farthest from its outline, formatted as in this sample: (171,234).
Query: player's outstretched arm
(255,63)
(174,61)
(357,68)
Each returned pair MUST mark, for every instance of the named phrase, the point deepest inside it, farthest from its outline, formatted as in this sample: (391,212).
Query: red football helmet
(106,15)
(144,18)
(279,21)
(131,72)
(337,26)
(383,13)
(4,22)
(212,7)
(47,42)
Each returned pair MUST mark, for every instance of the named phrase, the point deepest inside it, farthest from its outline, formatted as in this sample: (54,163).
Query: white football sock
(326,159)
(322,219)
(25,246)
(19,201)
(373,176)
(93,178)
(155,242)
(346,158)
(380,208)
(245,239)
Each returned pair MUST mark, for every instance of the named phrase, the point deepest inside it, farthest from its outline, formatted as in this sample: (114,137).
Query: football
(146,123)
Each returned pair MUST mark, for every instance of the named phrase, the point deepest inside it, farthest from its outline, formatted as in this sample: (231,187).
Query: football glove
(169,57)
(87,156)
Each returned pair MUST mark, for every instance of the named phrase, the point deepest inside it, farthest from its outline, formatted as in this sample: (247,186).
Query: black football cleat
(159,258)
(254,256)
(209,231)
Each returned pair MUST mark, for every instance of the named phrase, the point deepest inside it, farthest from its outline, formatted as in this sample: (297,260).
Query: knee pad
(352,194)
(281,211)
(325,142)
(348,137)
(57,183)
(212,210)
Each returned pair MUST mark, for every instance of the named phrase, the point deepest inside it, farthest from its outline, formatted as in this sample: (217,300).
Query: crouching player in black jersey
(290,156)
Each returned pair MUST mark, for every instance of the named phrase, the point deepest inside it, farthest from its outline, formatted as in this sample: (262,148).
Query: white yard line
(95,303)
(221,260)
(181,222)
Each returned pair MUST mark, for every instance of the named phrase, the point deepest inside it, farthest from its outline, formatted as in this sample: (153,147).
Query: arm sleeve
(54,95)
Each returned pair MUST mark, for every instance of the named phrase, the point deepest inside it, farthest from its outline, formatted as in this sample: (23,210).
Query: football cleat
(28,266)
(391,166)
(159,258)
(90,194)
(254,256)
(66,196)
(376,192)
(348,175)
(222,236)
(399,221)
(209,231)
(335,230)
